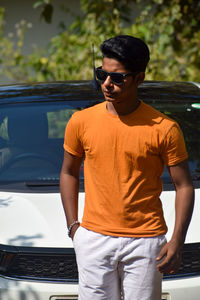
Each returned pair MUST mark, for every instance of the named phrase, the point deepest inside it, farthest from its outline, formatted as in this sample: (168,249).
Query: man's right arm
(69,187)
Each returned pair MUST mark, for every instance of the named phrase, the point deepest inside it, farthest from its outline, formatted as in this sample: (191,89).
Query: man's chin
(113,100)
(110,98)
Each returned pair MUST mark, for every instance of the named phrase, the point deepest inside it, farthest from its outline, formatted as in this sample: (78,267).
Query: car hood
(33,220)
(38,220)
(168,201)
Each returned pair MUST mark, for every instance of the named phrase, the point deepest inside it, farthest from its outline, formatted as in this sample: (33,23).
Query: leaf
(47,13)
(37,4)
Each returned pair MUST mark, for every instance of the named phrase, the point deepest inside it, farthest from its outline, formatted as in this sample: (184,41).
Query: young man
(120,245)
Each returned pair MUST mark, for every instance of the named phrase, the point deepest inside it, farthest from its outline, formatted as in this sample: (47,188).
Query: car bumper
(10,289)
(29,290)
(181,289)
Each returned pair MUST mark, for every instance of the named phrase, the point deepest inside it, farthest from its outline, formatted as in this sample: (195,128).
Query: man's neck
(122,108)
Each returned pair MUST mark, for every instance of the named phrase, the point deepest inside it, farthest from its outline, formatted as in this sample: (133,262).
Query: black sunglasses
(116,77)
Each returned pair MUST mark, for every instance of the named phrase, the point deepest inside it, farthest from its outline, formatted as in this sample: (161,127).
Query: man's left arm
(184,203)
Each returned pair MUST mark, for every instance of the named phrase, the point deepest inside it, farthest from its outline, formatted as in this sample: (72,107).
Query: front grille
(49,264)
(59,264)
(56,267)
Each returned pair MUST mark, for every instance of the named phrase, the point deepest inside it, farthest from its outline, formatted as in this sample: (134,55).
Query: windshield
(31,142)
(32,136)
(187,116)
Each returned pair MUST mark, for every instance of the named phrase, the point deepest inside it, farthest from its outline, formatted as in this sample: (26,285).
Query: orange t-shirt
(124,158)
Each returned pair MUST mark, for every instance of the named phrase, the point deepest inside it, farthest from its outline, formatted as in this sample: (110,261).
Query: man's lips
(108,94)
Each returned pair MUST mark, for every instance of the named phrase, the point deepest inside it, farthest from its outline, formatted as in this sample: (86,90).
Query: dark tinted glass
(32,135)
(115,77)
(31,143)
(188,117)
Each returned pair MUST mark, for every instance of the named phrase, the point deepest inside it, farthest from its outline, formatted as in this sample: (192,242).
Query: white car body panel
(14,289)
(41,222)
(168,201)
(182,289)
(40,219)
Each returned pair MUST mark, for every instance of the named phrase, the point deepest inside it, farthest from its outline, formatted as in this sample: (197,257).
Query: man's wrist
(71,227)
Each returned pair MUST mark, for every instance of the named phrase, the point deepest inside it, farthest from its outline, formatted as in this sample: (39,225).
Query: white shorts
(114,267)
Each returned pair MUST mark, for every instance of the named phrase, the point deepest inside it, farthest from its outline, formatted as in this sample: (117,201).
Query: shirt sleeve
(174,149)
(72,140)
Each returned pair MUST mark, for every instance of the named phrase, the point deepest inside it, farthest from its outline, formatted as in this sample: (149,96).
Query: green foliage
(173,35)
(171,28)
(47,10)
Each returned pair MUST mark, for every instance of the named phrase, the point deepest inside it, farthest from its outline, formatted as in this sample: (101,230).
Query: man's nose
(108,82)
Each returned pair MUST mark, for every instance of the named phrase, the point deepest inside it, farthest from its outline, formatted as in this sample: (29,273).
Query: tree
(171,28)
(173,34)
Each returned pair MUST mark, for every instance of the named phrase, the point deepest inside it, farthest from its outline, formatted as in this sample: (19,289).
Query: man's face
(118,93)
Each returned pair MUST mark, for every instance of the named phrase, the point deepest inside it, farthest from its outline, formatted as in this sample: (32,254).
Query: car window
(57,121)
(3,129)
(32,136)
(31,142)
(188,117)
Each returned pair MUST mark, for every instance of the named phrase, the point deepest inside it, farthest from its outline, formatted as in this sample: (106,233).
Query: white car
(37,260)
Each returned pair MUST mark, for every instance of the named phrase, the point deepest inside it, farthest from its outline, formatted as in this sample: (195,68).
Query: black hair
(132,52)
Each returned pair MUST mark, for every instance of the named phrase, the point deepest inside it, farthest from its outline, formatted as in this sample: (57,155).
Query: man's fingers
(170,264)
(164,266)
(162,253)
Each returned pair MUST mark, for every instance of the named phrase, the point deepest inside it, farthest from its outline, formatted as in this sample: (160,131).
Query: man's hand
(75,227)
(171,258)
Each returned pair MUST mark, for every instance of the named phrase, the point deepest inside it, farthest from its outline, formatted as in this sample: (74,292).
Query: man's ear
(139,78)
